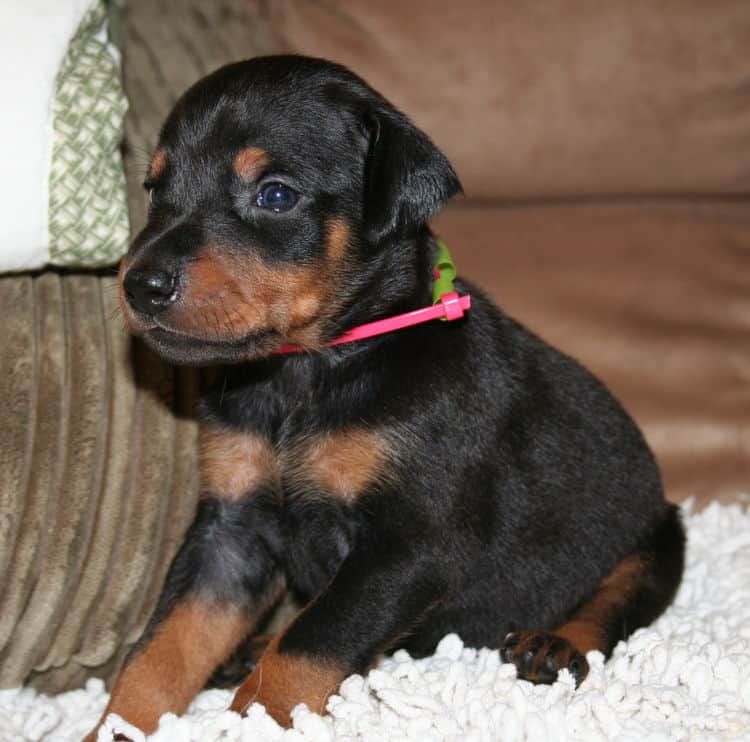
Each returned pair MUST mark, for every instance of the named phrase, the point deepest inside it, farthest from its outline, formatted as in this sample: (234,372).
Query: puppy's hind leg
(636,592)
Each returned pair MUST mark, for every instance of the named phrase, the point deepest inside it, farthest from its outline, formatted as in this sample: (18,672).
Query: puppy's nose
(149,291)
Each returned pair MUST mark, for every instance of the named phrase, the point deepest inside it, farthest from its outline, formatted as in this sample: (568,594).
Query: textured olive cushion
(62,195)
(559,98)
(88,213)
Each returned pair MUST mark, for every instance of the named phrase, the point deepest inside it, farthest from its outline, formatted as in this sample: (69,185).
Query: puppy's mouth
(180,348)
(197,336)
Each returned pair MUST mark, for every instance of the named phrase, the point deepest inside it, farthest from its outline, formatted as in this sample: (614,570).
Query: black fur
(516,484)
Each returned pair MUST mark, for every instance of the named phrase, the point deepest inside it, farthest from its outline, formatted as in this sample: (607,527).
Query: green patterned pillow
(88,218)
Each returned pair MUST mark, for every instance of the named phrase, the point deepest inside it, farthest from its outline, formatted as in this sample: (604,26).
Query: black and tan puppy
(453,476)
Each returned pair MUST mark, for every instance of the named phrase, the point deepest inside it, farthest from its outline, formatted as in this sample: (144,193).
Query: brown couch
(604,150)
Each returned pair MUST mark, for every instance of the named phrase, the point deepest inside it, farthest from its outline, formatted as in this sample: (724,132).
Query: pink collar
(450,306)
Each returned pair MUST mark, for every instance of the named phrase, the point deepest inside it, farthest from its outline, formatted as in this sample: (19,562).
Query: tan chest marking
(235,464)
(343,464)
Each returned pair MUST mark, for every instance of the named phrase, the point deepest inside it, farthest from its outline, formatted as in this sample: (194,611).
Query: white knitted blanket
(687,677)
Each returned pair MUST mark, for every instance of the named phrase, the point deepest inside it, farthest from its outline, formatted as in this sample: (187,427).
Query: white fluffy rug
(687,677)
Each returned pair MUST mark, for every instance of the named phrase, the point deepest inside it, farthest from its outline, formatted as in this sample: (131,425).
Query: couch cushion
(98,478)
(655,299)
(558,98)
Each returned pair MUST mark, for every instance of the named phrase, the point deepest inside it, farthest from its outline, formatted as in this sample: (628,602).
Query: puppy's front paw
(282,680)
(539,656)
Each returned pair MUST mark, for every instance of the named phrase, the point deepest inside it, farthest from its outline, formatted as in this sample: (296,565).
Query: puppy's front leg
(221,582)
(374,599)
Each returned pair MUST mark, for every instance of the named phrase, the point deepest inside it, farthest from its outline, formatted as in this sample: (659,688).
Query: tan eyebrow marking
(249,162)
(158,163)
(343,464)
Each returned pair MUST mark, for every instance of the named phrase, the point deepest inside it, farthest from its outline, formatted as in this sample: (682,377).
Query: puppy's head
(276,184)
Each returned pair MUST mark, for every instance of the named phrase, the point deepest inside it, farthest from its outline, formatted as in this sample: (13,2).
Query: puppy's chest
(343,464)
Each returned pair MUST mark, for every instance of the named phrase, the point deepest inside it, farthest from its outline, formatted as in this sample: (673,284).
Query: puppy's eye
(277,197)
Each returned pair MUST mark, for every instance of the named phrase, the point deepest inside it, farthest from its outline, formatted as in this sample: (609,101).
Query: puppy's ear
(407,178)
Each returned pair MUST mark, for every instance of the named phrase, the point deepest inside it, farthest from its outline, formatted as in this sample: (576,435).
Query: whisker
(223,388)
(229,319)
(134,150)
(218,325)
(116,312)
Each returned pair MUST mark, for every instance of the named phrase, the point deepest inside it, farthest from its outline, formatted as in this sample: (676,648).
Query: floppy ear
(407,178)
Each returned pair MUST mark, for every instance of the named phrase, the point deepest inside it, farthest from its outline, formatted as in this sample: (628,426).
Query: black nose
(149,291)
